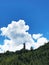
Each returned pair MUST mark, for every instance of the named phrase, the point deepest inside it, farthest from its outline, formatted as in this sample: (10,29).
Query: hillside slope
(39,56)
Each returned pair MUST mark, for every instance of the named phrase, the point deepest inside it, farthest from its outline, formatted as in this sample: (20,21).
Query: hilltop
(39,56)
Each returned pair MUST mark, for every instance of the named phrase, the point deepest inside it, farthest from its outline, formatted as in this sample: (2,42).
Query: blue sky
(34,12)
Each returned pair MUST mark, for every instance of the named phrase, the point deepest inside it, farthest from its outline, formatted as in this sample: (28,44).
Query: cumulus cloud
(41,41)
(37,36)
(16,34)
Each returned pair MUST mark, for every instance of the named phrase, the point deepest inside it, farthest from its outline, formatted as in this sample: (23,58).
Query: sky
(32,13)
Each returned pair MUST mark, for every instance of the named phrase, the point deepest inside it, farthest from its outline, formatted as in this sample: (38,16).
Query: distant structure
(31,48)
(24,46)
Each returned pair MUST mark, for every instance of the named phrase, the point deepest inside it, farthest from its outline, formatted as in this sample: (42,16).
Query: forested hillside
(39,56)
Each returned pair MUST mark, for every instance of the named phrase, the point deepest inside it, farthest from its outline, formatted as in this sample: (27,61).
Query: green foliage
(39,56)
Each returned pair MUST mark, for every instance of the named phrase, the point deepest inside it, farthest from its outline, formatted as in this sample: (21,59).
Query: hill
(39,56)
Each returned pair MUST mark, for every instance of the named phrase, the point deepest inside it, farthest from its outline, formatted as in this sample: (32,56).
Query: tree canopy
(39,56)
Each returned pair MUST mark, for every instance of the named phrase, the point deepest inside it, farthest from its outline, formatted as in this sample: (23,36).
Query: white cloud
(37,36)
(41,41)
(17,34)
